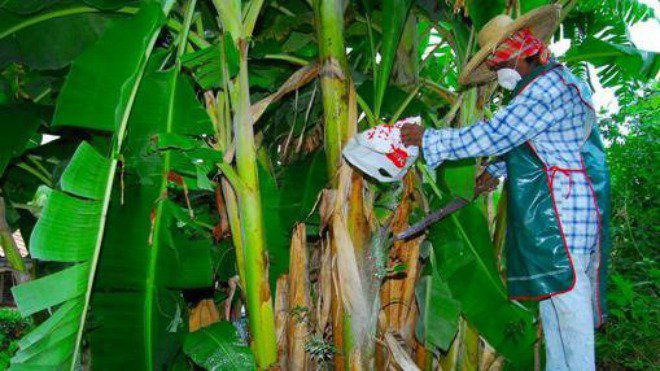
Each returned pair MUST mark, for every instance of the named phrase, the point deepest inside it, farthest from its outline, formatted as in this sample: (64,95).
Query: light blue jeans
(568,320)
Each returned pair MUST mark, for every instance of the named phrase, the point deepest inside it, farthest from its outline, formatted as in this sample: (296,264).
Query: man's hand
(485,183)
(411,135)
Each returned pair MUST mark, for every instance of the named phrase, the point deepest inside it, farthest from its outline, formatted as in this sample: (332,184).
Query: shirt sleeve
(497,169)
(526,116)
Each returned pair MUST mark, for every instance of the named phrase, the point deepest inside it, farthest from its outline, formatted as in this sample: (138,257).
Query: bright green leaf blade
(218,347)
(151,244)
(185,260)
(87,173)
(49,349)
(205,64)
(108,4)
(189,115)
(467,263)
(458,177)
(394,13)
(71,308)
(124,49)
(67,230)
(51,290)
(98,101)
(276,230)
(439,312)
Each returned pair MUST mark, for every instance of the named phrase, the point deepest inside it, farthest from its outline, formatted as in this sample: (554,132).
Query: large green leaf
(152,247)
(19,123)
(467,264)
(482,11)
(218,347)
(94,100)
(50,45)
(49,34)
(206,67)
(458,177)
(302,182)
(81,193)
(394,16)
(276,229)
(69,231)
(438,311)
(622,62)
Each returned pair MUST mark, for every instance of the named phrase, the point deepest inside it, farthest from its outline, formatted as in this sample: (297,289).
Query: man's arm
(525,117)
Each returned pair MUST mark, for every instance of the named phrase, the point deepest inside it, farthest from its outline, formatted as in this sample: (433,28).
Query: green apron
(539,264)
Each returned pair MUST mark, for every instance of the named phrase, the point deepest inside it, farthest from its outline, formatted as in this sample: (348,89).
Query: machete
(434,217)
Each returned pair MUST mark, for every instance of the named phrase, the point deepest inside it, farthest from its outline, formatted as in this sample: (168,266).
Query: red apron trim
(549,181)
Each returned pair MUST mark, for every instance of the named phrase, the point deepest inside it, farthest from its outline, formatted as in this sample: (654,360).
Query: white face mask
(508,78)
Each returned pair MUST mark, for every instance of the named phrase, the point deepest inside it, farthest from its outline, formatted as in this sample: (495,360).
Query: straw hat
(541,21)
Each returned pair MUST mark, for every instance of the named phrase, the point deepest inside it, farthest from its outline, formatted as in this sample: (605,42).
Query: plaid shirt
(551,115)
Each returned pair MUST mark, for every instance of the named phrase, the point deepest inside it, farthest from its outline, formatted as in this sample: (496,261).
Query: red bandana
(521,44)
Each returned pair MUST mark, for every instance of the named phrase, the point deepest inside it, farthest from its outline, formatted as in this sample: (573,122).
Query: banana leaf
(621,62)
(19,123)
(47,35)
(93,100)
(218,347)
(74,218)
(153,247)
(467,264)
(438,310)
(394,17)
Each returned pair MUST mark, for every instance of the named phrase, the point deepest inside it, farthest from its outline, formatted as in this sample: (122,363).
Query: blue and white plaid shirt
(550,114)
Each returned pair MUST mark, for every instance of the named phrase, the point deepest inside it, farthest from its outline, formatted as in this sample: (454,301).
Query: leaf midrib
(57,14)
(106,196)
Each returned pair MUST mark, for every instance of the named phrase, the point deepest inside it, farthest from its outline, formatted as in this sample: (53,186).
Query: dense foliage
(12,328)
(630,339)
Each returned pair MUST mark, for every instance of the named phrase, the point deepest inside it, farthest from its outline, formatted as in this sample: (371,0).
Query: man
(550,152)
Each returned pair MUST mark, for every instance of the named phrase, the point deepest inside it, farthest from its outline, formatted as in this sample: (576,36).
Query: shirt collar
(534,74)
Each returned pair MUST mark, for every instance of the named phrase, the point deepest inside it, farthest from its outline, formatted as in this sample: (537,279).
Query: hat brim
(541,21)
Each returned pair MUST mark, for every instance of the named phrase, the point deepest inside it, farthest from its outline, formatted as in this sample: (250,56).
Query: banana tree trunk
(340,123)
(239,22)
(260,306)
(335,79)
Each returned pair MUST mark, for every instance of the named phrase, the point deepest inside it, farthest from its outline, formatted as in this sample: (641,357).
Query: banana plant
(239,26)
(74,220)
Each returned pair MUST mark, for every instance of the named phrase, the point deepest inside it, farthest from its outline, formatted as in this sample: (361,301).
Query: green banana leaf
(482,11)
(624,60)
(205,66)
(438,310)
(302,182)
(69,231)
(152,247)
(19,123)
(74,219)
(98,101)
(47,35)
(458,177)
(467,264)
(218,347)
(394,16)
